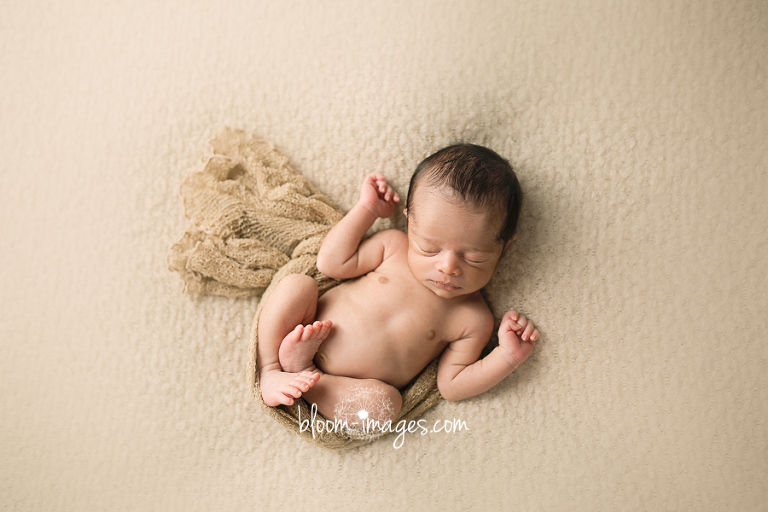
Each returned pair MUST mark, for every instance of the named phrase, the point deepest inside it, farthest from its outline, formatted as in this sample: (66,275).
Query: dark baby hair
(479,175)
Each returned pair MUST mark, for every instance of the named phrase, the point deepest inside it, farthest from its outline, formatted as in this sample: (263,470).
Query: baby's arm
(461,375)
(341,254)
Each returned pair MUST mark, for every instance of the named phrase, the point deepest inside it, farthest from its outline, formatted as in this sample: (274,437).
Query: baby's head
(462,208)
(478,175)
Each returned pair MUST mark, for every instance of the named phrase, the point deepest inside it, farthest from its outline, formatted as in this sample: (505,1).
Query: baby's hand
(378,196)
(517,337)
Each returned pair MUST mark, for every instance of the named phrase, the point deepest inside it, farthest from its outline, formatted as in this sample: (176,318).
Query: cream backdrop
(638,130)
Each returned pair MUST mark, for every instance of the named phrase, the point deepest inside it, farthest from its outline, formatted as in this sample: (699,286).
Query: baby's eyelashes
(472,260)
(429,251)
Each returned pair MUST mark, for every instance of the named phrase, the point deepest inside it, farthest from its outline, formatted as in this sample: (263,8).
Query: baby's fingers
(376,181)
(511,316)
(385,191)
(521,324)
(528,333)
(507,322)
(390,195)
(522,327)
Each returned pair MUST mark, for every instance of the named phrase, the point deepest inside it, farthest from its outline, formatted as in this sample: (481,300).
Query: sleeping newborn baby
(410,297)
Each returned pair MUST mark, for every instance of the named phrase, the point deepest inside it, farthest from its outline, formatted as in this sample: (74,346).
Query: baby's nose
(448,264)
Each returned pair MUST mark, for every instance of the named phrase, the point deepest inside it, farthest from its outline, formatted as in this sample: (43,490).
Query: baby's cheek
(481,276)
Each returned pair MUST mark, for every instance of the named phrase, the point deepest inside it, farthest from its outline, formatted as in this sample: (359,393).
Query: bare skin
(410,298)
(298,348)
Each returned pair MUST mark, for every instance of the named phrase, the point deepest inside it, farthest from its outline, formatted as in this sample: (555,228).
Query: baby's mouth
(445,286)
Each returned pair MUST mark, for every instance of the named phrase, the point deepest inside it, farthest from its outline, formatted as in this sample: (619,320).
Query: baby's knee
(297,288)
(299,282)
(369,401)
(393,396)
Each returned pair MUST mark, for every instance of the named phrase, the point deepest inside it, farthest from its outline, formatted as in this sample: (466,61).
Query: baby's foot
(298,348)
(281,388)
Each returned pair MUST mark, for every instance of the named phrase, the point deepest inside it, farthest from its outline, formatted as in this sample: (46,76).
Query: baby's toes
(309,332)
(304,382)
(309,377)
(294,389)
(325,329)
(284,399)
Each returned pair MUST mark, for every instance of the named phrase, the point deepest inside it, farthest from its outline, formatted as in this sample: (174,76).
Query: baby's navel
(383,280)
(431,334)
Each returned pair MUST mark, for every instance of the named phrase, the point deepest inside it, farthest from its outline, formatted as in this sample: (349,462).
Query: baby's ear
(509,242)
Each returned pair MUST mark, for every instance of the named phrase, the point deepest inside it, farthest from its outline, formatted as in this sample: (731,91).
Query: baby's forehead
(442,196)
(440,213)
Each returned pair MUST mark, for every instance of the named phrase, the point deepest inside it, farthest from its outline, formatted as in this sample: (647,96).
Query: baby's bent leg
(358,402)
(292,302)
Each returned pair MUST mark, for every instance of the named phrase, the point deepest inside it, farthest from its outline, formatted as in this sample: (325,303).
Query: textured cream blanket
(254,221)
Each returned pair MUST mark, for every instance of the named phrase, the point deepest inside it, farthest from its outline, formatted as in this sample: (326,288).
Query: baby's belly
(370,339)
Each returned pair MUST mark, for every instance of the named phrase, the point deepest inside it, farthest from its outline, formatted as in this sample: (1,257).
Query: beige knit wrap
(254,220)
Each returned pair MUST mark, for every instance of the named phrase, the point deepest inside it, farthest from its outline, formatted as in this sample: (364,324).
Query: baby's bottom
(288,340)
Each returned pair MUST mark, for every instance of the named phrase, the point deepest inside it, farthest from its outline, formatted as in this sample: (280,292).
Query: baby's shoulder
(474,316)
(393,235)
(393,240)
(476,306)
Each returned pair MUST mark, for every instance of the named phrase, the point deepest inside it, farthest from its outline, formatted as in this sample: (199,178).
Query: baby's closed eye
(428,250)
(475,259)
